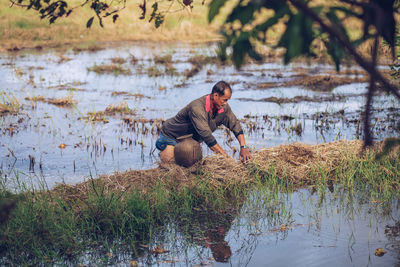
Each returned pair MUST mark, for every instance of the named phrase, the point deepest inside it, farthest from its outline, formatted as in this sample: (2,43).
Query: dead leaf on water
(379,252)
(159,250)
(133,263)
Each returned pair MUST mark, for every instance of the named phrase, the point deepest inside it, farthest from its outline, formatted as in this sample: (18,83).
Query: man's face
(221,101)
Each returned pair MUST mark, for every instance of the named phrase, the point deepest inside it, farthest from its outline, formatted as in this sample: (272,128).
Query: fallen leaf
(133,263)
(62,146)
(379,252)
(159,250)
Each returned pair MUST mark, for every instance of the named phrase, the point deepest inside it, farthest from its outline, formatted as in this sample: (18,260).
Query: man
(201,117)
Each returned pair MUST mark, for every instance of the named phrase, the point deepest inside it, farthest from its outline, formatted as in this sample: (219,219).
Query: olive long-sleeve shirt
(197,119)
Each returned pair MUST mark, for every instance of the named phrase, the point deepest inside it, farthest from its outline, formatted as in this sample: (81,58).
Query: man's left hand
(244,154)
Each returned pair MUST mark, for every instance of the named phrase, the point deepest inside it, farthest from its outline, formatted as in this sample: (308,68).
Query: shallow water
(30,140)
(336,230)
(296,229)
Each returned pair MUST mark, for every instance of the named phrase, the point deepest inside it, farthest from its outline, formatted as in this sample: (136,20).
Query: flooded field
(66,117)
(83,113)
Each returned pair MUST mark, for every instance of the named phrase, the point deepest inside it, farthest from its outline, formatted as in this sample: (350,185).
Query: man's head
(220,94)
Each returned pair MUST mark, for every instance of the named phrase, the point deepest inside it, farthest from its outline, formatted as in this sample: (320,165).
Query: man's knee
(167,155)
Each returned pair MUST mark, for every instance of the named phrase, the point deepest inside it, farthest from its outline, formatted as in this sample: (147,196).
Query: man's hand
(218,150)
(244,154)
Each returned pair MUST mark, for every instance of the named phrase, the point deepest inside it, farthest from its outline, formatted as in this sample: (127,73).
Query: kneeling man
(201,117)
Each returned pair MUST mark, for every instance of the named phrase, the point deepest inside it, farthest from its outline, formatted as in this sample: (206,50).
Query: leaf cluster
(300,30)
(53,10)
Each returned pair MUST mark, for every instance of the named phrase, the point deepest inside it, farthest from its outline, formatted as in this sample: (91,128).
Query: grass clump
(9,104)
(118,60)
(108,69)
(63,101)
(112,109)
(122,108)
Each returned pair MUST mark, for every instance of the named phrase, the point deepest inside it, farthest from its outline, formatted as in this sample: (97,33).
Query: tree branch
(334,33)
(371,90)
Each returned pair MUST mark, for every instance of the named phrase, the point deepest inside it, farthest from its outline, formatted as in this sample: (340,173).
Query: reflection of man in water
(215,240)
(209,227)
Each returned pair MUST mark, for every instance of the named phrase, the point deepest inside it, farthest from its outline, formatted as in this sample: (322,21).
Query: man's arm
(244,153)
(233,124)
(217,149)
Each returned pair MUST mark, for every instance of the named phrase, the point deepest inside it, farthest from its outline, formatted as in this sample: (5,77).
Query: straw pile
(295,161)
(298,160)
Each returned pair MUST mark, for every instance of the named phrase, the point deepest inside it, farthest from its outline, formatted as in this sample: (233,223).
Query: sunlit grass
(9,104)
(24,28)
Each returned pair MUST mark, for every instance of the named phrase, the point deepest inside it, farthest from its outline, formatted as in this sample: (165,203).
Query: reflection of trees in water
(233,231)
(392,233)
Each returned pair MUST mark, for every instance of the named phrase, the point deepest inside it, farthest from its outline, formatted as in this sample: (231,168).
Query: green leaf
(159,20)
(243,13)
(239,52)
(298,36)
(215,6)
(331,15)
(336,52)
(275,4)
(254,55)
(89,22)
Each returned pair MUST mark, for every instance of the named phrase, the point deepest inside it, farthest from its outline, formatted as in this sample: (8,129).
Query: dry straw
(296,161)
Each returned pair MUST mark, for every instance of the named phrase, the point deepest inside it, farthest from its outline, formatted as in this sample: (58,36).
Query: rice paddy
(81,180)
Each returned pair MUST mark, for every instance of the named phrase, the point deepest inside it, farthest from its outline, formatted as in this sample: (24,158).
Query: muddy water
(43,144)
(32,140)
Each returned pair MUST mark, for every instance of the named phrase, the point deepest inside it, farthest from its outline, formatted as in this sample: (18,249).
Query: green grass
(108,69)
(50,229)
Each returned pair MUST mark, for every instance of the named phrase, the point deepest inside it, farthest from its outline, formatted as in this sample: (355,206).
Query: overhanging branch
(368,66)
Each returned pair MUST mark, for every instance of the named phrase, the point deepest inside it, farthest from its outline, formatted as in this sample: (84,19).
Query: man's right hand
(244,154)
(217,149)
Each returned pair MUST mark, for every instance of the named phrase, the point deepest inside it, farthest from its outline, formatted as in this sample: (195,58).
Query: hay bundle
(298,160)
